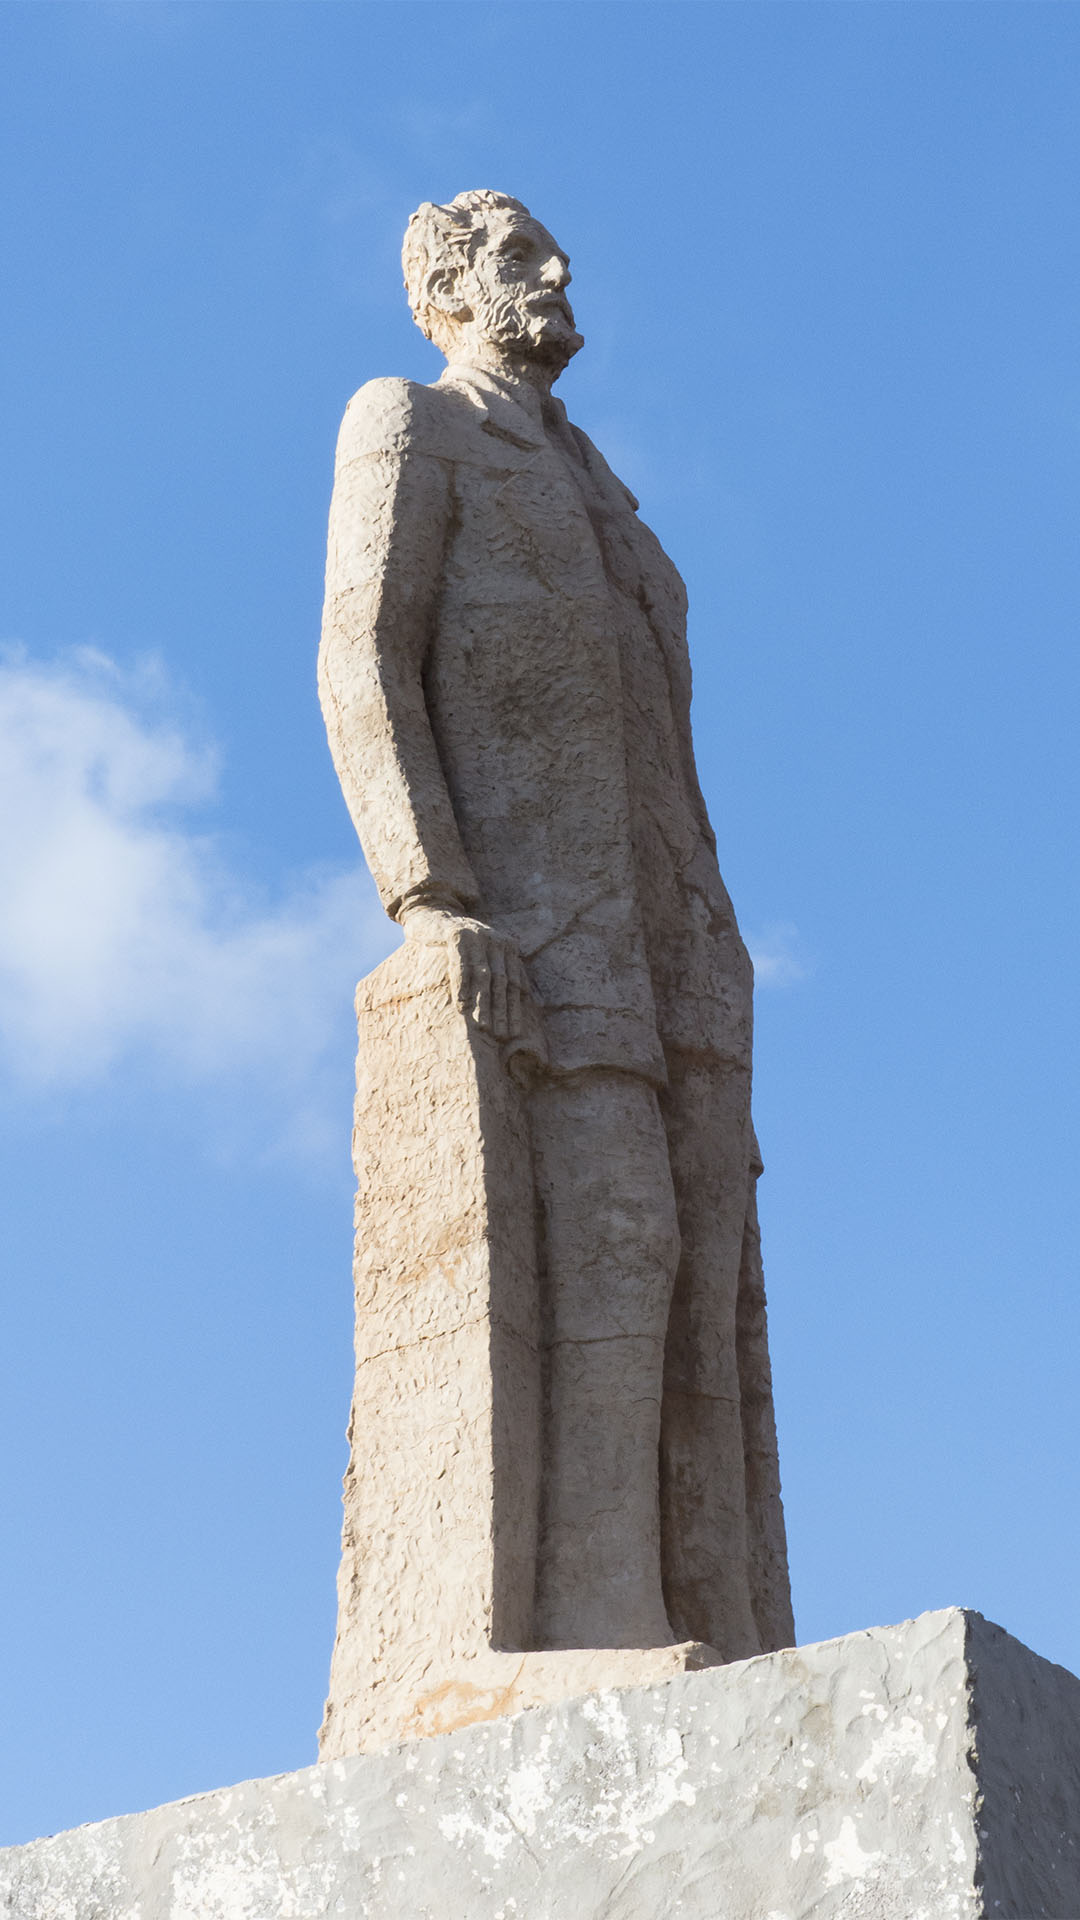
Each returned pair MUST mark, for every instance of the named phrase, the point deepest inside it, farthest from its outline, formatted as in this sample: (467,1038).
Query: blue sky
(826,264)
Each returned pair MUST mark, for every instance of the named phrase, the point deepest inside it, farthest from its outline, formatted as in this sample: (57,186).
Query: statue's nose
(556,271)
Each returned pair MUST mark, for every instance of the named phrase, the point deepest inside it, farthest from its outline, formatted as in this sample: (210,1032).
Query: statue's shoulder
(398,416)
(600,470)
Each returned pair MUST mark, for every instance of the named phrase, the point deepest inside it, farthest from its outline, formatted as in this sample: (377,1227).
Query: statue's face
(515,290)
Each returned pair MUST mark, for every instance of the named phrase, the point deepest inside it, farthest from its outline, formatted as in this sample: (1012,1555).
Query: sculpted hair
(447,236)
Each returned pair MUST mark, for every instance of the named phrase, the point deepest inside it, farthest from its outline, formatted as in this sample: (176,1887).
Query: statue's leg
(609,1249)
(706,1541)
(770,1587)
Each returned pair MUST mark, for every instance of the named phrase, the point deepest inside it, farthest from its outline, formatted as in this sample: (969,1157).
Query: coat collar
(513,408)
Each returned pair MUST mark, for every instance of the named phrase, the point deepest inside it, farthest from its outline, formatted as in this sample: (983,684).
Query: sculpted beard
(507,318)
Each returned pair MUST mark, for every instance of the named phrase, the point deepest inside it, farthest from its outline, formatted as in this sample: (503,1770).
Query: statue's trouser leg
(610,1247)
(770,1585)
(706,1545)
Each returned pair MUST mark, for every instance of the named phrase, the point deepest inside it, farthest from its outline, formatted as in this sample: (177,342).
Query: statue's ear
(443,290)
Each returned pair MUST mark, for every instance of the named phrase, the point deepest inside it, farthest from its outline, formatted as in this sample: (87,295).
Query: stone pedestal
(929,1771)
(438,1561)
(439,1558)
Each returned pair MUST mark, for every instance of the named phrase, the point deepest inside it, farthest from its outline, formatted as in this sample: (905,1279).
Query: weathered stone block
(438,1571)
(929,1771)
(438,1562)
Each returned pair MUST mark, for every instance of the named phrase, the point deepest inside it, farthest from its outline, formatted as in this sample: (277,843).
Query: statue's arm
(388,526)
(390,519)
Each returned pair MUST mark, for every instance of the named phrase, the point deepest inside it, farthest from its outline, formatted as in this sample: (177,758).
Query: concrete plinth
(920,1772)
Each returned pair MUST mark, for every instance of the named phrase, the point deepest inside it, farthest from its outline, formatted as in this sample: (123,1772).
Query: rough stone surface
(924,1772)
(441,1495)
(563,1433)
(1026,1719)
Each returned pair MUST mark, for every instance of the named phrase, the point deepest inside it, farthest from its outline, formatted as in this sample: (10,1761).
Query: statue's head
(482,275)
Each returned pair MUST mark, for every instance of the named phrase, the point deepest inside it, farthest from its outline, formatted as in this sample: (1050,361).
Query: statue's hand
(487,972)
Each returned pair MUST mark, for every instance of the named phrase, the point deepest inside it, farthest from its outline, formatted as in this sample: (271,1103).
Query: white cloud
(127,938)
(124,933)
(774,950)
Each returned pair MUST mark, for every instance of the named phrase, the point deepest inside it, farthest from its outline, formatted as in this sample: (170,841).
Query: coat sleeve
(389,523)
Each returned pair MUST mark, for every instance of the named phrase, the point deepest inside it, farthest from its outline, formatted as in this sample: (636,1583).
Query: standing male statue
(506,686)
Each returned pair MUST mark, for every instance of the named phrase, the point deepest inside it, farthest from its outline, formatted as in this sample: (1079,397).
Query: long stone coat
(506,684)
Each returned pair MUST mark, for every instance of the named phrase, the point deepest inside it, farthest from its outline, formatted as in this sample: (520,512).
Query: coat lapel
(504,417)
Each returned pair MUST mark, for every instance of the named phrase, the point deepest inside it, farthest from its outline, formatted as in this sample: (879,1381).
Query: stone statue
(506,685)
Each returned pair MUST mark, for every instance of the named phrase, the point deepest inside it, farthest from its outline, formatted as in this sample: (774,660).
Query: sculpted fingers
(499,997)
(479,962)
(518,995)
(470,972)
(488,980)
(459,976)
(513,1001)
